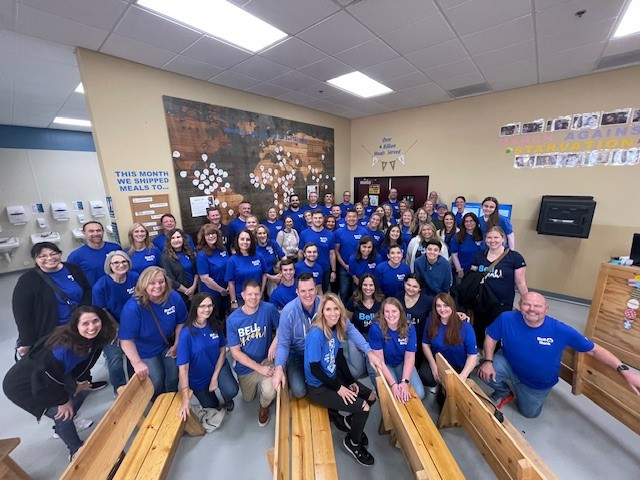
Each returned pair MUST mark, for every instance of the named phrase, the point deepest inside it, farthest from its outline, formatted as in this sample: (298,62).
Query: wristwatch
(405,380)
(622,367)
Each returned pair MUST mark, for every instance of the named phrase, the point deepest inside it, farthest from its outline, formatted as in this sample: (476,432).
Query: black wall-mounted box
(566,216)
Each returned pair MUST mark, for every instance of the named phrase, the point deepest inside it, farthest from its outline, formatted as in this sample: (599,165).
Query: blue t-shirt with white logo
(282,295)
(91,260)
(318,349)
(273,228)
(456,355)
(364,265)
(466,250)
(241,268)
(201,350)
(149,257)
(391,280)
(270,254)
(316,270)
(394,347)
(376,235)
(324,240)
(68,284)
(112,296)
(348,240)
(214,265)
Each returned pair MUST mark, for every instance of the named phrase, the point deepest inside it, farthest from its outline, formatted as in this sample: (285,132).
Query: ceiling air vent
(469,90)
(619,60)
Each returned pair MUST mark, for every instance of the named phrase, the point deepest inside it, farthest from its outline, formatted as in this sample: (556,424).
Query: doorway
(414,189)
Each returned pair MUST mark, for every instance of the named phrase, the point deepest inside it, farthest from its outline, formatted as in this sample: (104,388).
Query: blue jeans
(115,357)
(346,284)
(396,371)
(66,429)
(295,375)
(529,400)
(226,383)
(357,361)
(163,373)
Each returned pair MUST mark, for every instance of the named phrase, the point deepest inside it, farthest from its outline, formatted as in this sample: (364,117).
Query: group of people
(299,301)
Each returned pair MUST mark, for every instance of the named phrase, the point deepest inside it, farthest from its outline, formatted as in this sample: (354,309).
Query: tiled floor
(575,437)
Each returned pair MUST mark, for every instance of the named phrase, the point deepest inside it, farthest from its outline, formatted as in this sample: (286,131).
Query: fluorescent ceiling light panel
(80,88)
(359,84)
(72,121)
(630,21)
(220,19)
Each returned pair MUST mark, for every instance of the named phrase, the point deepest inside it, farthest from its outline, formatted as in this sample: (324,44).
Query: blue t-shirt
(273,228)
(501,280)
(112,296)
(299,222)
(376,235)
(318,349)
(384,250)
(344,207)
(68,284)
(149,257)
(214,265)
(407,235)
(456,355)
(201,351)
(363,317)
(368,210)
(503,223)
(235,227)
(187,264)
(348,240)
(395,206)
(391,280)
(137,324)
(161,239)
(270,253)
(282,295)
(394,347)
(534,354)
(241,268)
(317,271)
(91,260)
(466,250)
(362,266)
(253,333)
(459,216)
(324,240)
(342,223)
(68,358)
(363,222)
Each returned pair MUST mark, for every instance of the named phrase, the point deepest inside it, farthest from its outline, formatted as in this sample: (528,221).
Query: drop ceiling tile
(390,69)
(460,81)
(339,98)
(31,108)
(447,4)
(426,94)
(476,15)
(68,112)
(449,70)
(320,90)
(76,101)
(36,120)
(260,68)
(512,75)
(294,80)
(394,100)
(383,18)
(293,53)
(585,57)
(236,80)
(152,29)
(336,34)
(297,98)
(192,68)
(407,81)
(326,69)
(214,52)
(136,51)
(502,56)
(6,14)
(499,36)
(622,44)
(291,16)
(268,90)
(368,54)
(24,45)
(6,114)
(27,94)
(367,107)
(422,34)
(565,40)
(339,110)
(37,23)
(318,104)
(96,13)
(561,16)
(448,52)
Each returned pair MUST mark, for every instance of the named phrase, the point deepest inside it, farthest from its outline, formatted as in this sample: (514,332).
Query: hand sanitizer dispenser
(60,211)
(97,208)
(17,215)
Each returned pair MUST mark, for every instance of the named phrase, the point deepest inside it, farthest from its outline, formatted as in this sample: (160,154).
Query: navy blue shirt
(363,317)
(501,280)
(112,296)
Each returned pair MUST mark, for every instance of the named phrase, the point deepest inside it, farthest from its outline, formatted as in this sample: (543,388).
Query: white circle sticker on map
(633,304)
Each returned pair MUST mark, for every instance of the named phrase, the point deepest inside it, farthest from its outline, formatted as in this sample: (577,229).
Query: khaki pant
(249,386)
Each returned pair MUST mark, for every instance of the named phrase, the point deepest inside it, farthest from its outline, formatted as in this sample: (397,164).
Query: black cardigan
(175,271)
(35,306)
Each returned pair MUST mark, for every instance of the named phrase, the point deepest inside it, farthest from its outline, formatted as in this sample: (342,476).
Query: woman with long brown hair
(179,261)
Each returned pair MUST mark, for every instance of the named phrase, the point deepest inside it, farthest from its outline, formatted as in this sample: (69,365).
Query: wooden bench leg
(9,469)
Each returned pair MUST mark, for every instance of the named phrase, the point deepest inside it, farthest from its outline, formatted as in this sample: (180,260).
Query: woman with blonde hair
(418,244)
(329,381)
(142,251)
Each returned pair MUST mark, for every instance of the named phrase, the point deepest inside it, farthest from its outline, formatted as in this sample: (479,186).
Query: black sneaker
(229,405)
(338,421)
(347,422)
(95,386)
(359,452)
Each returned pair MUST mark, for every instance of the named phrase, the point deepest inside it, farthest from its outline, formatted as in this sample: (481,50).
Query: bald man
(529,361)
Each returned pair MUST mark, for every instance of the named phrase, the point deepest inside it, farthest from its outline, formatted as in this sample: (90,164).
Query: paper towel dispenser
(60,211)
(17,215)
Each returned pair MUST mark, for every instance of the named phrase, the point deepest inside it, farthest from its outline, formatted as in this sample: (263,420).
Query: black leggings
(481,320)
(328,398)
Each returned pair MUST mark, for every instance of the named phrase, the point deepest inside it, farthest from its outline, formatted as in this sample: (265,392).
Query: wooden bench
(9,469)
(152,450)
(412,427)
(507,452)
(303,444)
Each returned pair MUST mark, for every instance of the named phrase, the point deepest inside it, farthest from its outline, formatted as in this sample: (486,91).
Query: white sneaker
(433,389)
(81,425)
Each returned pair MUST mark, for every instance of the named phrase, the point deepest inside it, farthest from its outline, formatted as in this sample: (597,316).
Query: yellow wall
(458,148)
(130,131)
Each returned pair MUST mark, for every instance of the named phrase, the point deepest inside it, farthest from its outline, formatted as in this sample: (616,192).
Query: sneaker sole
(505,401)
(344,442)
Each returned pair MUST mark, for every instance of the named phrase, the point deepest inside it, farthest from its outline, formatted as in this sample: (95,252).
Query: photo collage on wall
(577,122)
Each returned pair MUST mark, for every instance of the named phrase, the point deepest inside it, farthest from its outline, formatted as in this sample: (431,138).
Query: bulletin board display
(148,209)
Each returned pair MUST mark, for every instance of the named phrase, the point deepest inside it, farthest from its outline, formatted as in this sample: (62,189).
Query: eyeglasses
(51,255)
(205,306)
(210,234)
(117,264)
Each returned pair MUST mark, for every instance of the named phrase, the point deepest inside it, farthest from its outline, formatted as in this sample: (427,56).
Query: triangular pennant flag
(384,165)
(375,160)
(393,164)
(401,159)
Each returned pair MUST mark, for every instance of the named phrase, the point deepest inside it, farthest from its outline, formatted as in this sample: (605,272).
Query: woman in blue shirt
(391,238)
(329,381)
(273,223)
(465,244)
(271,254)
(391,274)
(244,265)
(142,252)
(393,339)
(408,225)
(179,261)
(150,325)
(111,292)
(491,218)
(365,260)
(202,362)
(211,265)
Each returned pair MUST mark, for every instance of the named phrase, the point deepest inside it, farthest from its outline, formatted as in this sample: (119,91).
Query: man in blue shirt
(252,344)
(532,345)
(286,291)
(328,204)
(239,223)
(296,213)
(392,200)
(347,240)
(346,204)
(324,240)
(215,218)
(312,202)
(90,257)
(168,223)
